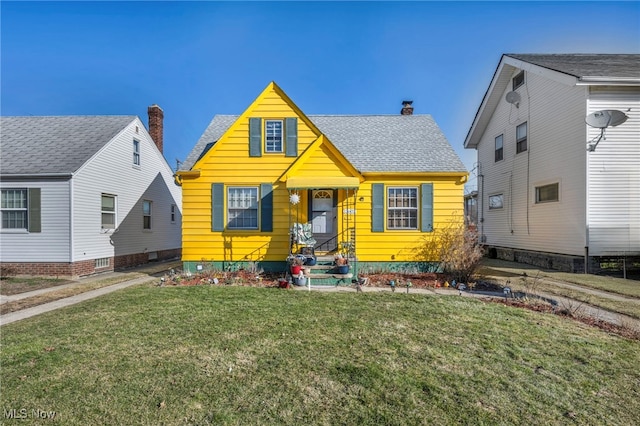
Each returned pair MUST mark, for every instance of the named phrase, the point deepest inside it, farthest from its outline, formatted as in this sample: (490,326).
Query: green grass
(239,355)
(611,284)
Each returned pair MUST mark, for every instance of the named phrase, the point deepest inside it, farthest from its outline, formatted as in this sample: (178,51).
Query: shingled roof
(371,143)
(624,66)
(54,145)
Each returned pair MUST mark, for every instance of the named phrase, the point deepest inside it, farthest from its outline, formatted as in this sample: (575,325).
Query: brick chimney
(407,109)
(156,115)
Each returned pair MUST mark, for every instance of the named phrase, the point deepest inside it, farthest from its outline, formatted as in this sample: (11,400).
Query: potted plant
(296,263)
(342,264)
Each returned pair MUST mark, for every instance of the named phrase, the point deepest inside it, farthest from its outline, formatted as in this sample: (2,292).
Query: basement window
(103,262)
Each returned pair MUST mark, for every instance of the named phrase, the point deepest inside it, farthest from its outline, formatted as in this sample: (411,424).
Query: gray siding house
(85,194)
(543,196)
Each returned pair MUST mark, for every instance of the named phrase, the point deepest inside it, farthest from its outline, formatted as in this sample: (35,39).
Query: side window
(499,148)
(136,152)
(402,208)
(146,214)
(518,80)
(14,209)
(173,213)
(108,211)
(521,138)
(548,193)
(242,205)
(496,201)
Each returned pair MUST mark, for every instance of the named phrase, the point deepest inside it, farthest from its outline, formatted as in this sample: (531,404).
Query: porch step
(330,279)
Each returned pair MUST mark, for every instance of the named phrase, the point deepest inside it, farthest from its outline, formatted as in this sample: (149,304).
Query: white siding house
(85,194)
(543,198)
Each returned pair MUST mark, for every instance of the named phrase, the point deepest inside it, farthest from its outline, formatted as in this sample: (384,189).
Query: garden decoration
(408,285)
(392,283)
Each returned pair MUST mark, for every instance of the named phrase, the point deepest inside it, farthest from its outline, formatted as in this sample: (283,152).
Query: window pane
(402,208)
(547,193)
(14,199)
(242,208)
(108,204)
(108,220)
(521,131)
(14,219)
(495,202)
(273,136)
(146,207)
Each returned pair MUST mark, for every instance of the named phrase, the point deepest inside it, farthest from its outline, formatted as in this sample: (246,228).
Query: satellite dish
(606,118)
(601,120)
(513,98)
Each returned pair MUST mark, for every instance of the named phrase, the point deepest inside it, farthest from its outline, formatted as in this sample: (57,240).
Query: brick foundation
(84,267)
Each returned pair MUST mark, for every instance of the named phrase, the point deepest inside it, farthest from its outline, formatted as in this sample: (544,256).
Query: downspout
(71,223)
(483,238)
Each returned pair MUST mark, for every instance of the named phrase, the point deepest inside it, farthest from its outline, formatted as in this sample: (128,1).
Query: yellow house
(372,187)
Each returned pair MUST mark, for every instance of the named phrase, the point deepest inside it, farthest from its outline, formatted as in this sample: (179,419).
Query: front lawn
(243,355)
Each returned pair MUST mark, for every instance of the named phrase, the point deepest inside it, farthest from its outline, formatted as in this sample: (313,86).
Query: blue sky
(198,59)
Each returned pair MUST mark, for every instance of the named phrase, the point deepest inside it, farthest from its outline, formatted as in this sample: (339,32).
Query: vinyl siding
(554,113)
(614,176)
(401,245)
(52,244)
(111,171)
(229,162)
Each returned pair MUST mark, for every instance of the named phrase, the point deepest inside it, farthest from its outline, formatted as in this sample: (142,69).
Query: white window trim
(150,215)
(525,139)
(17,209)
(114,212)
(266,135)
(416,209)
(257,208)
(495,150)
(136,153)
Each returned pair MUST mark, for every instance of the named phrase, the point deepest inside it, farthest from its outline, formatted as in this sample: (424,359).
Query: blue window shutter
(291,129)
(266,207)
(255,137)
(217,207)
(34,221)
(377,207)
(427,207)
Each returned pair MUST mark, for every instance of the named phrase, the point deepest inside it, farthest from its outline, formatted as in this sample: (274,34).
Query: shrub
(456,249)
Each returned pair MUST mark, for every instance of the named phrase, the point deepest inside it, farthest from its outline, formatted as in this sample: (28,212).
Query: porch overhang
(342,182)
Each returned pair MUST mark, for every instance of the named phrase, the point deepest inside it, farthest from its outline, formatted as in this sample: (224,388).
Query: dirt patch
(16,285)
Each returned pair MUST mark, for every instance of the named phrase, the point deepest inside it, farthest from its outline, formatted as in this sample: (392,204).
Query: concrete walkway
(150,271)
(159,269)
(61,303)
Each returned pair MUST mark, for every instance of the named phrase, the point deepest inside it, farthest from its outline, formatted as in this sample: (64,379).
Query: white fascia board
(557,76)
(499,82)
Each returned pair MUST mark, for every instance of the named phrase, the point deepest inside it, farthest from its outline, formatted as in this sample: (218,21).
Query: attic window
(136,153)
(518,80)
(273,136)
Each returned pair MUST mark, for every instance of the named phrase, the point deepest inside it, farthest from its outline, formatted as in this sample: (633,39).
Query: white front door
(322,212)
